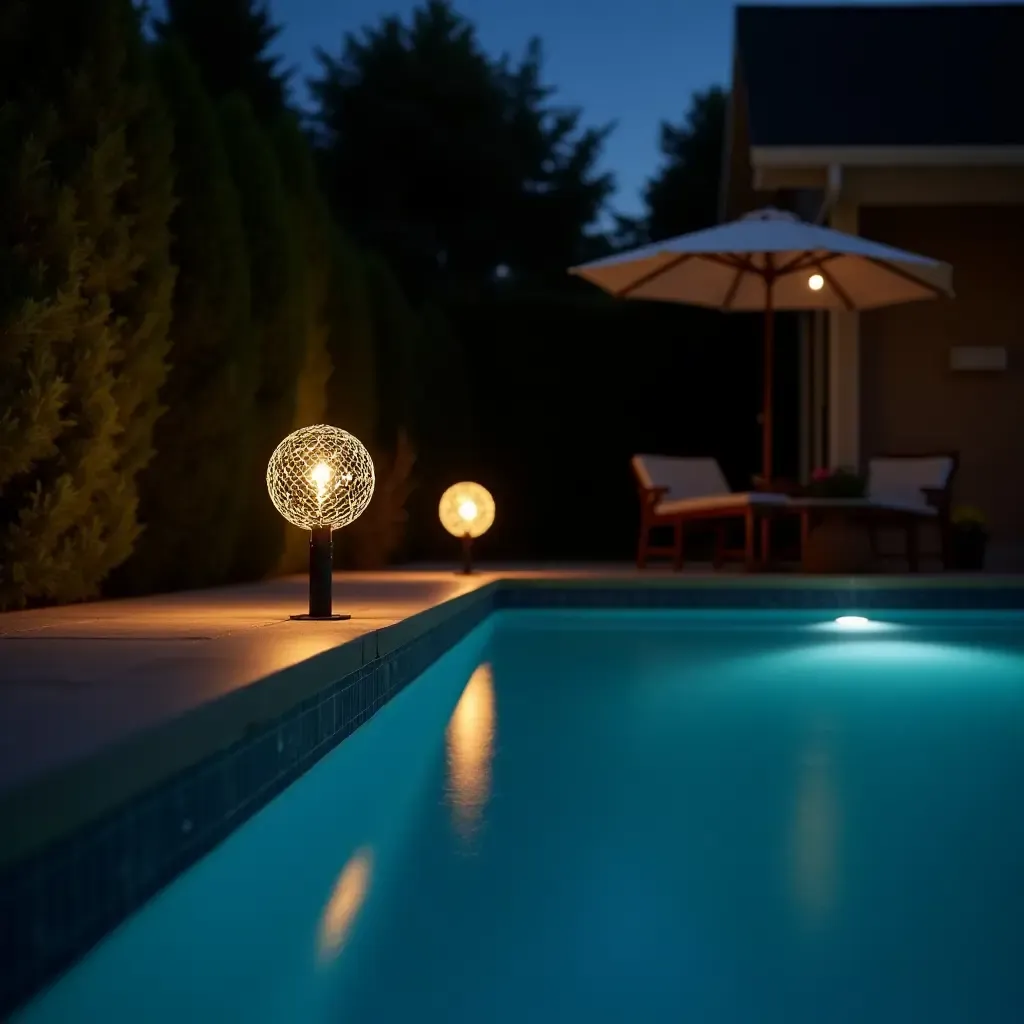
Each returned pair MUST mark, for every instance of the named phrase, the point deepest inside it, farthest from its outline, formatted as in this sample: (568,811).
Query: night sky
(635,62)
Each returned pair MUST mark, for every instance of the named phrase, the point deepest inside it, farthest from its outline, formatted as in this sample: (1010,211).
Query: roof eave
(885,156)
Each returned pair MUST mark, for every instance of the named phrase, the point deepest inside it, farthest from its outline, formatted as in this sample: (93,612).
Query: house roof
(883,76)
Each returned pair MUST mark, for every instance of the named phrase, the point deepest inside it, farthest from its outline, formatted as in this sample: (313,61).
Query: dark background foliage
(192,266)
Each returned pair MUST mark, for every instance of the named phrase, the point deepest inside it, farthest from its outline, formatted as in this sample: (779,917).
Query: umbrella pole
(769,387)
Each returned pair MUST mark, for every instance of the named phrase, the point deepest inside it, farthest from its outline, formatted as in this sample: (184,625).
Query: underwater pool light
(854,625)
(852,622)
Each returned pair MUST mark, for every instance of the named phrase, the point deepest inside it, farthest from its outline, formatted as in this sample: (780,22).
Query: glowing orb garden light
(320,479)
(466,511)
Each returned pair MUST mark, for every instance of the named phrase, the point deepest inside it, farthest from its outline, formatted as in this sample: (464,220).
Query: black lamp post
(321,479)
(321,576)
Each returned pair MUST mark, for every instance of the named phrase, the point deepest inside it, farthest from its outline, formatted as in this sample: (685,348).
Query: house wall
(910,399)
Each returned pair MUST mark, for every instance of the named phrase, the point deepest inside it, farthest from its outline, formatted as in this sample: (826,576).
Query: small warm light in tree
(466,511)
(320,479)
(816,282)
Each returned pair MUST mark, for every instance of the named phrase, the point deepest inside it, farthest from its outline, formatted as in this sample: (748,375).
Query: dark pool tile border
(842,596)
(58,903)
(61,901)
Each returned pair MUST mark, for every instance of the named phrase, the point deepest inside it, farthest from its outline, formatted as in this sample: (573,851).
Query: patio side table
(858,516)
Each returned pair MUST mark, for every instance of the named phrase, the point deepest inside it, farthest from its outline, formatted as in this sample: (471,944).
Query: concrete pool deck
(135,735)
(75,679)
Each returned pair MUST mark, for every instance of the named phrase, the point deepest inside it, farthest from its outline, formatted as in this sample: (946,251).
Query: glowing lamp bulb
(852,622)
(816,282)
(303,469)
(466,511)
(321,475)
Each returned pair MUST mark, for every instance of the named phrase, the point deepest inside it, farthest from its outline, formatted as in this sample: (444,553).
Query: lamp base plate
(320,618)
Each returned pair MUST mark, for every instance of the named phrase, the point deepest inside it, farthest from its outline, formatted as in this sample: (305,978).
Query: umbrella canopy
(733,266)
(771,260)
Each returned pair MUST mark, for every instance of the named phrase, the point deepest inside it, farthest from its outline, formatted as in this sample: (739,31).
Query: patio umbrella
(766,261)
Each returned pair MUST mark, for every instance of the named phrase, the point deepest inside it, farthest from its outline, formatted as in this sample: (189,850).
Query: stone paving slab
(75,679)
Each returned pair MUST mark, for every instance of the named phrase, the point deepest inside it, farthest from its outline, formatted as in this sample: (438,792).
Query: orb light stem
(321,567)
(321,582)
(467,554)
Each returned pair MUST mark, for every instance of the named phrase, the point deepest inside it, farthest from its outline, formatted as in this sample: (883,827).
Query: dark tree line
(683,194)
(189,269)
(452,163)
(86,285)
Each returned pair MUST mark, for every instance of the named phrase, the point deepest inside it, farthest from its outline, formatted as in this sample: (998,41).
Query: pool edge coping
(84,790)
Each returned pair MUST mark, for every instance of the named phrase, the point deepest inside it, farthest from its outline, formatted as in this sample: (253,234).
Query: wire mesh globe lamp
(466,511)
(320,479)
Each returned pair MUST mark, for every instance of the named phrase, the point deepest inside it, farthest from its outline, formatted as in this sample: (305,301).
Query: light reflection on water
(346,900)
(470,747)
(945,661)
(815,841)
(857,625)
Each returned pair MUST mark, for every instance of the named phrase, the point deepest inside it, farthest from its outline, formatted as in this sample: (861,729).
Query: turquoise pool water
(615,817)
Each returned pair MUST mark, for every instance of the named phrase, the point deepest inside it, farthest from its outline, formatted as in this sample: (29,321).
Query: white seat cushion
(902,481)
(681,478)
(710,503)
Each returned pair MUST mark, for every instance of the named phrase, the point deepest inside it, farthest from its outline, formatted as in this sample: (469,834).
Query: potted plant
(968,540)
(836,483)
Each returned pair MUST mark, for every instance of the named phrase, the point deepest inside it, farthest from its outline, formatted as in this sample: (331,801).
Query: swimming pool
(611,816)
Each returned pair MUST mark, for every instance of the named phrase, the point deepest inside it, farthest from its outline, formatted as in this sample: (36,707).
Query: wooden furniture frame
(718,516)
(651,520)
(873,516)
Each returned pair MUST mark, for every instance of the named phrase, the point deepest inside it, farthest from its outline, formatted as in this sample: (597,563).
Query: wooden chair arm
(650,496)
